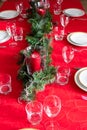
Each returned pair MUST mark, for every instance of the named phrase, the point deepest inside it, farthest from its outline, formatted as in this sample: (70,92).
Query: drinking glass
(52,107)
(59,2)
(34,111)
(64,20)
(10,27)
(67,54)
(57,9)
(5,83)
(18,33)
(62,76)
(19,8)
(58,33)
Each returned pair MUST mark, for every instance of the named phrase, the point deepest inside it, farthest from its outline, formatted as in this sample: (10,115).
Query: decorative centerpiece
(36,69)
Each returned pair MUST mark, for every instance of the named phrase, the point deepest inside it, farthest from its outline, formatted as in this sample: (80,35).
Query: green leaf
(32,40)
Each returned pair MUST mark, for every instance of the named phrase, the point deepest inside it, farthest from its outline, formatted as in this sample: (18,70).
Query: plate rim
(72,42)
(2,17)
(76,79)
(83,12)
(5,39)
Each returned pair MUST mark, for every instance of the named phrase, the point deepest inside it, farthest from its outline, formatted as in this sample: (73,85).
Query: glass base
(13,44)
(38,126)
(51,125)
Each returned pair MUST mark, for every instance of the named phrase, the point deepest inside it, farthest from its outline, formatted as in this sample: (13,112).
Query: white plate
(4,36)
(8,14)
(77,80)
(78,38)
(83,77)
(74,12)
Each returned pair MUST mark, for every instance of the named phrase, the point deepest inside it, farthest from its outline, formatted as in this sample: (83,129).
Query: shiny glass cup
(57,9)
(34,111)
(18,34)
(58,33)
(62,76)
(5,83)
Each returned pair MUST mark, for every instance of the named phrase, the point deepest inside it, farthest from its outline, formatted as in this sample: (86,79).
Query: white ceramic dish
(8,14)
(83,77)
(4,36)
(78,38)
(78,79)
(74,12)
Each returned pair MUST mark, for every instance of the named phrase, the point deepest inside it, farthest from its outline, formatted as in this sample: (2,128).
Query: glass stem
(64,30)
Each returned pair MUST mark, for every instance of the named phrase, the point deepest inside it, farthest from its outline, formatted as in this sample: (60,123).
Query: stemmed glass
(64,20)
(67,54)
(19,8)
(52,107)
(59,2)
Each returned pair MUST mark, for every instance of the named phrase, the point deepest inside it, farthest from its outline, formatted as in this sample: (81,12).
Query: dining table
(73,114)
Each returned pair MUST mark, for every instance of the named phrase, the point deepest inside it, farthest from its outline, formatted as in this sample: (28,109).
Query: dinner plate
(4,36)
(83,77)
(8,14)
(78,38)
(74,12)
(78,79)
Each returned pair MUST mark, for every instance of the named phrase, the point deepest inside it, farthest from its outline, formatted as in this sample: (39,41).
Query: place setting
(13,33)
(75,14)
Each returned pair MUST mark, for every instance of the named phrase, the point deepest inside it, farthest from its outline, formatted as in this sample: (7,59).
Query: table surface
(73,114)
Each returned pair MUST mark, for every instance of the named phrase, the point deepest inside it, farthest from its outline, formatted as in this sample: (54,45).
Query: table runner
(74,108)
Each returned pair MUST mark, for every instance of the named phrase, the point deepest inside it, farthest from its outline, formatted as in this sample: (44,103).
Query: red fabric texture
(73,115)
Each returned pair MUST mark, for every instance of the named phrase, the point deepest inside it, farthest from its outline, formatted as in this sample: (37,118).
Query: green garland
(41,25)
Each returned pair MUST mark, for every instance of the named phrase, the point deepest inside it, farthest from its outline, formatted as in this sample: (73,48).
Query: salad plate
(83,77)
(8,14)
(81,82)
(4,36)
(73,12)
(78,38)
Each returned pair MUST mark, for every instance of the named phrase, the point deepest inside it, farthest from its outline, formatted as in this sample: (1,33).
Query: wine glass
(19,8)
(64,20)
(59,2)
(52,107)
(67,54)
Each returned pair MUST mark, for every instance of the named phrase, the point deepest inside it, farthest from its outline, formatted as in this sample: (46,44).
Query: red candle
(35,61)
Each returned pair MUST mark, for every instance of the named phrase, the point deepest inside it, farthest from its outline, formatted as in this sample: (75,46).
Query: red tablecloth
(73,115)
